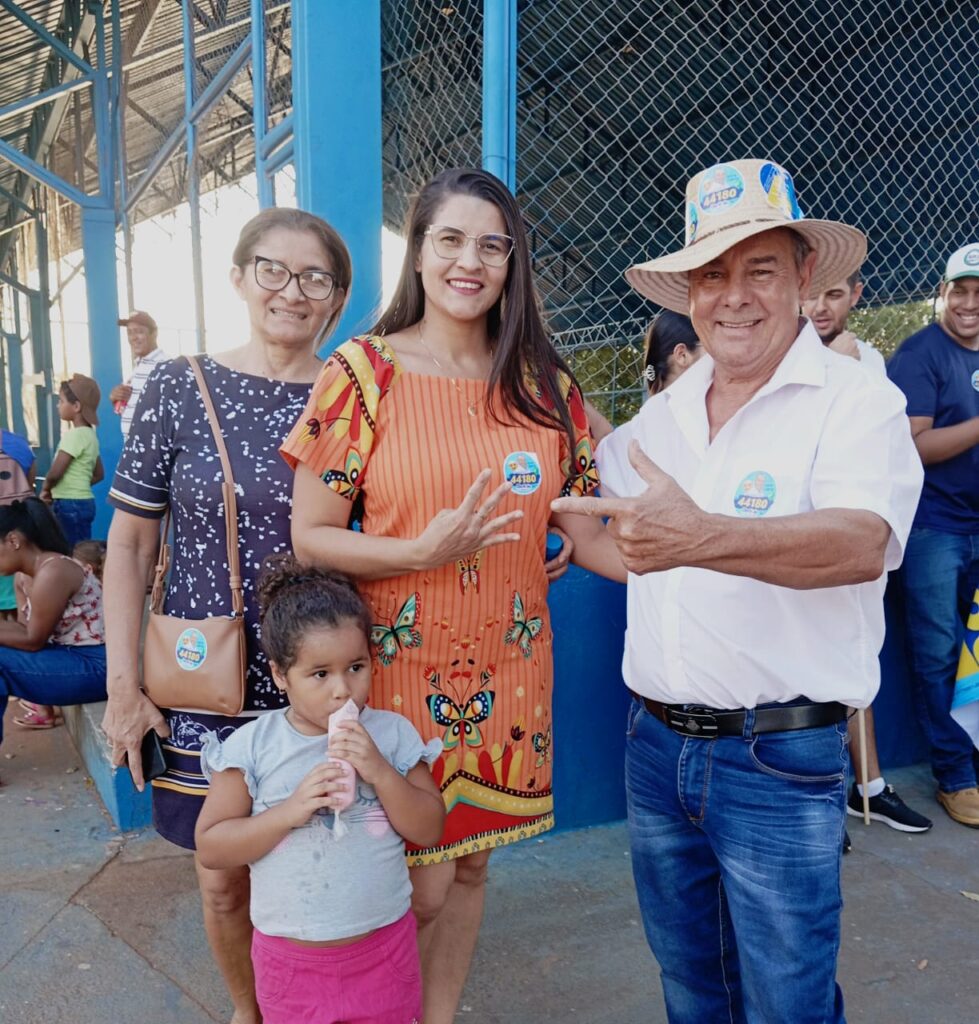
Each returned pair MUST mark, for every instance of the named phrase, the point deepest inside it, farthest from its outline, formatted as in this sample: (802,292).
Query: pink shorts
(374,981)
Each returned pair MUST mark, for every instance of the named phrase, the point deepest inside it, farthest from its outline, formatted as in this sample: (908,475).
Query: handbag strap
(230,511)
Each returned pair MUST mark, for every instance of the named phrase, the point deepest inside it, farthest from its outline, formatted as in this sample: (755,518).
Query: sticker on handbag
(191,650)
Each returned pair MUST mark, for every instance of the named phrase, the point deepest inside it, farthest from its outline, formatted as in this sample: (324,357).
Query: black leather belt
(706,723)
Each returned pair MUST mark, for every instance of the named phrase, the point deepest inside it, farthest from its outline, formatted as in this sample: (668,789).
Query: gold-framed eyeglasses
(450,243)
(274,277)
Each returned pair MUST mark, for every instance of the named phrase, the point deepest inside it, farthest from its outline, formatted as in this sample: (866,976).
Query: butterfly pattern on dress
(524,630)
(363,370)
(581,473)
(390,639)
(542,744)
(460,718)
(469,571)
(346,481)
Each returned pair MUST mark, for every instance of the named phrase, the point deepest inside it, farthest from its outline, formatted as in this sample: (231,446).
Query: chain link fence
(620,103)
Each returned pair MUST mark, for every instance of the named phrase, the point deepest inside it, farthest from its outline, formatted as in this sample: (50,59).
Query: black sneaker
(847,845)
(889,808)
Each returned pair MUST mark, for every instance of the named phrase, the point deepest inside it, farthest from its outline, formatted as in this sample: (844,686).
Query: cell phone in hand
(151,756)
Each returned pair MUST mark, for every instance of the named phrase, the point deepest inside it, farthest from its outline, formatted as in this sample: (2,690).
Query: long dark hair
(521,345)
(36,522)
(668,330)
(251,235)
(294,598)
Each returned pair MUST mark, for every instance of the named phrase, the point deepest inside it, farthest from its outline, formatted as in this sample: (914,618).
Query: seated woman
(55,654)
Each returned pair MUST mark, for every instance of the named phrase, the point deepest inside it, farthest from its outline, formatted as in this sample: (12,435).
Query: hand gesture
(458,532)
(558,565)
(846,344)
(314,793)
(658,529)
(120,393)
(353,743)
(126,721)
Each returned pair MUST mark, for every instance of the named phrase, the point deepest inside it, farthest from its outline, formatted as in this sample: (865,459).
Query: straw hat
(728,203)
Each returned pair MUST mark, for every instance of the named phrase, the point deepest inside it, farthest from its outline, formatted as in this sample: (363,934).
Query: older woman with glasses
(293,273)
(452,425)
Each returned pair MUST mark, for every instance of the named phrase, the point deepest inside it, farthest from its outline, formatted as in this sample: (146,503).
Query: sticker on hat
(693,222)
(721,187)
(191,649)
(522,471)
(776,182)
(755,494)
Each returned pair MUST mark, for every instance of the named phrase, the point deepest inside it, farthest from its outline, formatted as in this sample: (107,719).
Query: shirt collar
(803,363)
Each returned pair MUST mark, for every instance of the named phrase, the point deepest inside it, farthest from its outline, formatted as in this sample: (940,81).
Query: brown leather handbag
(199,664)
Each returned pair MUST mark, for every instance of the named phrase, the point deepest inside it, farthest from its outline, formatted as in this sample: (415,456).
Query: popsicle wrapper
(349,712)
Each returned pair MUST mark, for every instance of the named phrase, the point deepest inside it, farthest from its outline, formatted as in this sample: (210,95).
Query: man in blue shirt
(938,370)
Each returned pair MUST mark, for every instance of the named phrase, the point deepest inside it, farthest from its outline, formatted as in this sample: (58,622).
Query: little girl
(334,937)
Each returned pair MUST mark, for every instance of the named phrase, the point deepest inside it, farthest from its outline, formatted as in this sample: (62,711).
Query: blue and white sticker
(971,258)
(776,183)
(721,187)
(191,649)
(975,381)
(522,471)
(755,494)
(693,222)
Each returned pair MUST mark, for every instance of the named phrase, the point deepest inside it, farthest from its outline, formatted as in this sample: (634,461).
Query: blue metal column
(266,187)
(336,95)
(102,294)
(15,364)
(500,90)
(193,179)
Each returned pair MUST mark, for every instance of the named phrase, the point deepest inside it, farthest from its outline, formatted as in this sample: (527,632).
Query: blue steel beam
(282,156)
(38,100)
(15,364)
(207,99)
(338,136)
(34,170)
(266,188)
(276,136)
(101,290)
(500,90)
(193,180)
(52,40)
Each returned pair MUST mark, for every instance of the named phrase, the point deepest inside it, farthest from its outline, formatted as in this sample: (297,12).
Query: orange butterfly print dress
(464,651)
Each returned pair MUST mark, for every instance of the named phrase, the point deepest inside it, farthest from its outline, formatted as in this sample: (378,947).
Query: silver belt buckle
(698,722)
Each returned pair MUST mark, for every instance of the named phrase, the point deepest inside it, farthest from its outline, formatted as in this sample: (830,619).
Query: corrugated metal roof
(152,50)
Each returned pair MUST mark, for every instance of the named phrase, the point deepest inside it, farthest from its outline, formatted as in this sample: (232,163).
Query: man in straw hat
(758,502)
(938,369)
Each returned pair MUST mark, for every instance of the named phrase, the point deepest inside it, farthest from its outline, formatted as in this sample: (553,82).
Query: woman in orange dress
(453,425)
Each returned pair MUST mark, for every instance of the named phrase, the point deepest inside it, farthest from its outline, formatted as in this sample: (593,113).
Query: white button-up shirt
(822,433)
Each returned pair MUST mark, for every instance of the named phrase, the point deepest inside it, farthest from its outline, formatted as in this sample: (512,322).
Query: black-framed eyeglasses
(274,277)
(450,243)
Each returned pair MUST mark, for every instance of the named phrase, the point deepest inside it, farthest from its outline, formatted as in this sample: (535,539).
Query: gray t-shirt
(316,886)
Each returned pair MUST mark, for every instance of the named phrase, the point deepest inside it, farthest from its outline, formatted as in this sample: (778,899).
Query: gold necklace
(470,406)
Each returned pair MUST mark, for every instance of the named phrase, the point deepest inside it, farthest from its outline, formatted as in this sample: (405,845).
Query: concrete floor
(99,926)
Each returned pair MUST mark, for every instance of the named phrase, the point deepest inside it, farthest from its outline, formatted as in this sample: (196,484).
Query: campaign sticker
(721,187)
(191,650)
(755,494)
(971,258)
(693,221)
(522,471)
(975,381)
(776,183)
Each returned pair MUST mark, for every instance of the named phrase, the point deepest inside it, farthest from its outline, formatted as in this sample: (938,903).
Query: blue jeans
(56,674)
(940,574)
(75,516)
(736,846)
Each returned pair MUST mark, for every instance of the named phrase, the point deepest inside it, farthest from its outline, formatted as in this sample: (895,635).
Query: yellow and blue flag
(965,700)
